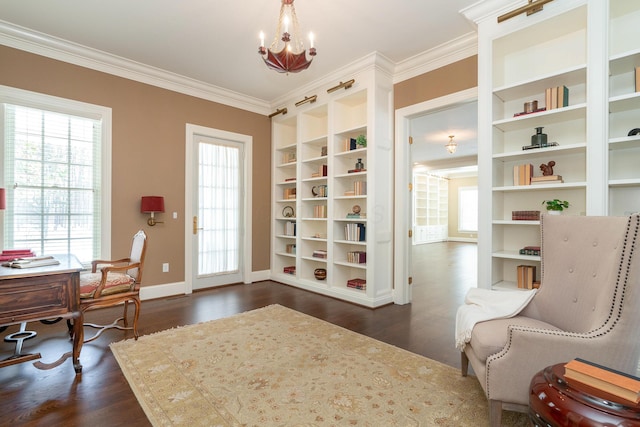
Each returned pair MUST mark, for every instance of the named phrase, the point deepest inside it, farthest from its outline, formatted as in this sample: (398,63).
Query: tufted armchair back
(581,266)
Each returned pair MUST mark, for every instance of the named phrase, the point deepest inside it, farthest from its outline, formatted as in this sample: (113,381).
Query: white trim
(247,141)
(38,100)
(51,47)
(402,202)
(438,57)
(161,291)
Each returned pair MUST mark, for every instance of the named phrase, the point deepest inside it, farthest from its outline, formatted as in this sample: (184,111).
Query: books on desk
(31,262)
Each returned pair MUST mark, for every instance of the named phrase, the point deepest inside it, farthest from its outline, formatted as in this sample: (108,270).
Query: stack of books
(526,276)
(320,253)
(525,215)
(355,232)
(11,254)
(289,193)
(530,250)
(360,188)
(556,97)
(357,284)
(320,211)
(547,179)
(31,262)
(599,377)
(522,174)
(357,257)
(289,228)
(290,269)
(291,248)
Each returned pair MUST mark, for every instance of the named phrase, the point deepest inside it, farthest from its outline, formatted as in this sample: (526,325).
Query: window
(468,209)
(54,174)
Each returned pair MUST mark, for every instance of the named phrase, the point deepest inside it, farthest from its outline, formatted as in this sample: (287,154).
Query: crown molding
(51,47)
(42,44)
(485,9)
(445,54)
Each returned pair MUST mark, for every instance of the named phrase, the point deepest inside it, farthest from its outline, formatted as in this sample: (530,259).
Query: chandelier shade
(287,53)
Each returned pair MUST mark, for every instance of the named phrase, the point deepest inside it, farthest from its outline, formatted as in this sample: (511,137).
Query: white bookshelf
(317,132)
(592,48)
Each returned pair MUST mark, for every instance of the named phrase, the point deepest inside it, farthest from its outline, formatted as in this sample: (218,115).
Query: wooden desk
(41,293)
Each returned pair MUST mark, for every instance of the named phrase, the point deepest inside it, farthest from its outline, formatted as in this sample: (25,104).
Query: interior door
(218,212)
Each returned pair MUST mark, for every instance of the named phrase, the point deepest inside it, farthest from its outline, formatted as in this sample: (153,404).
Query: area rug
(277,367)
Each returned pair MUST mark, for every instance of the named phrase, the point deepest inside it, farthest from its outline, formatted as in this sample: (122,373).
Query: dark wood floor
(101,396)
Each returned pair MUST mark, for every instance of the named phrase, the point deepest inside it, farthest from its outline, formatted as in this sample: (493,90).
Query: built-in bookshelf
(430,208)
(341,172)
(591,48)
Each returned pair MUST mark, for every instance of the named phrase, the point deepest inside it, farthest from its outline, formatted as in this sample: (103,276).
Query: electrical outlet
(165,267)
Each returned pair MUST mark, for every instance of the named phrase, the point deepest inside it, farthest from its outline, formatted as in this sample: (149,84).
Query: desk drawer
(36,298)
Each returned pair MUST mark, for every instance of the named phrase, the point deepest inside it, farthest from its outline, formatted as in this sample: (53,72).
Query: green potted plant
(361,141)
(556,206)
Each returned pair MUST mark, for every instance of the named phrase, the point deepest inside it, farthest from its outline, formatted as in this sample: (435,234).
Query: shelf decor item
(359,165)
(320,273)
(288,212)
(361,141)
(555,206)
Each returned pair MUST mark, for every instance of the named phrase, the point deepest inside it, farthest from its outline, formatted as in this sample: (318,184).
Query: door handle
(195,225)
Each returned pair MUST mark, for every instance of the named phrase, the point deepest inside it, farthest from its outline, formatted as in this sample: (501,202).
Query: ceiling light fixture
(451,146)
(286,53)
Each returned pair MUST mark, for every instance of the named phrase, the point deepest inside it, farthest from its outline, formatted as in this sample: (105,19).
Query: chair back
(581,262)
(138,252)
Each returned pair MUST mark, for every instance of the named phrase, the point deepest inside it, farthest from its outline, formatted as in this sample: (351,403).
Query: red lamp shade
(152,204)
(3,198)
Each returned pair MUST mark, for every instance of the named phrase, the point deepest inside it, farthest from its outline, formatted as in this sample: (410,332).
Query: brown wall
(443,81)
(148,148)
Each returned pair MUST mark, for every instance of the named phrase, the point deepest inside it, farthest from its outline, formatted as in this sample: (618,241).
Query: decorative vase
(320,273)
(359,165)
(539,139)
(550,212)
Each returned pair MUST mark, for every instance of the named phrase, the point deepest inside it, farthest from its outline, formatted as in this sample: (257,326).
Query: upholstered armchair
(114,282)
(588,306)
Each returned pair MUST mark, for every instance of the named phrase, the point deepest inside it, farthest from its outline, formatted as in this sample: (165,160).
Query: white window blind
(52,175)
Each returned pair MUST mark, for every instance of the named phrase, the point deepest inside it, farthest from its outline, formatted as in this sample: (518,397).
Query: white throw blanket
(484,304)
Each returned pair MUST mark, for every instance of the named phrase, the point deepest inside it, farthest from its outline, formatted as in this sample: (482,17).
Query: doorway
(217,209)
(440,115)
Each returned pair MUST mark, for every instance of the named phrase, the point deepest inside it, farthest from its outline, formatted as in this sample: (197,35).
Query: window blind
(52,175)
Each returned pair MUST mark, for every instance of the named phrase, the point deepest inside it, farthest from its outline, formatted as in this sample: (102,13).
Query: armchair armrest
(530,350)
(114,269)
(96,262)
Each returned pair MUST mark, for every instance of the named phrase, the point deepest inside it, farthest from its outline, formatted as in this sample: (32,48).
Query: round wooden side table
(554,402)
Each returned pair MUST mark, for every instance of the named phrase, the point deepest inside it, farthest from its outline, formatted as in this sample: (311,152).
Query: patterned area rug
(278,367)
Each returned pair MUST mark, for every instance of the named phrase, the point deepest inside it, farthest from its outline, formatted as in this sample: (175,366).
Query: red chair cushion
(116,283)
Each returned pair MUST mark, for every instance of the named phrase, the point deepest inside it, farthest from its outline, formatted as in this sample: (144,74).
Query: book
(31,262)
(602,378)
(563,96)
(526,276)
(546,178)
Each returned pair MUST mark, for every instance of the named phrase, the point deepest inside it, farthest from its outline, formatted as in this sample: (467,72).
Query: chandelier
(451,146)
(286,53)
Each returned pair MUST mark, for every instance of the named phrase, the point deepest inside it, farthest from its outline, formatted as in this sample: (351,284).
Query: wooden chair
(113,282)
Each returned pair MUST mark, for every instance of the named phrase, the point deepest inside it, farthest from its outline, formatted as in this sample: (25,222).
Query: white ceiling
(214,42)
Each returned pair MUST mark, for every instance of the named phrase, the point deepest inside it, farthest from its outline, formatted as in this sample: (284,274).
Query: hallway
(442,274)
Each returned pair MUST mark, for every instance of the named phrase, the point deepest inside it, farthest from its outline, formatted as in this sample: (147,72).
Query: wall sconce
(451,146)
(151,205)
(3,199)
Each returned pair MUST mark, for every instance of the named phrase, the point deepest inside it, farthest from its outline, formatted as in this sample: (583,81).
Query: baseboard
(172,289)
(162,291)
(463,239)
